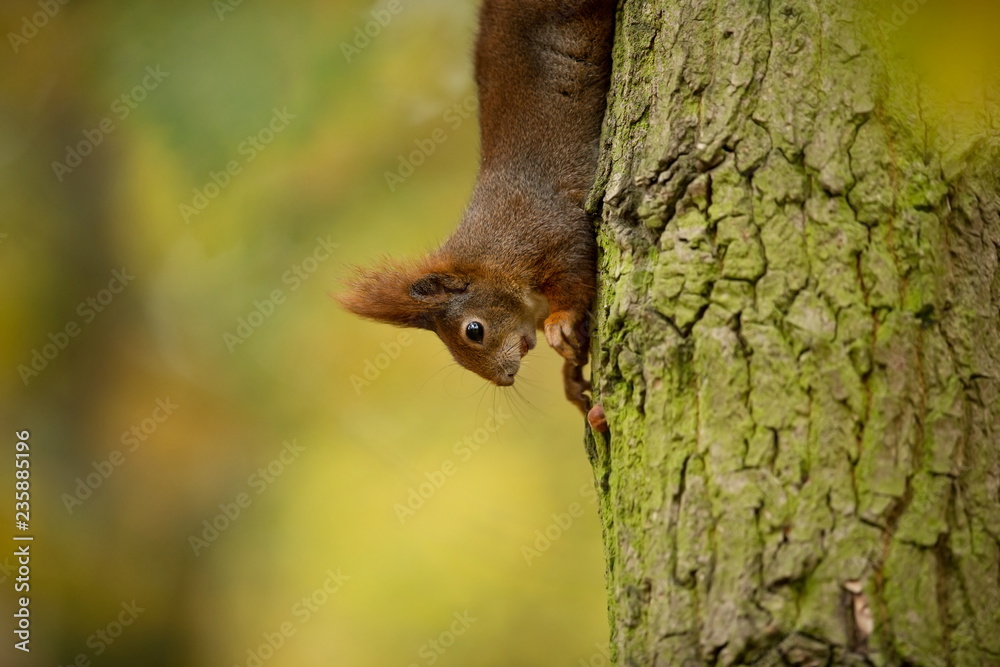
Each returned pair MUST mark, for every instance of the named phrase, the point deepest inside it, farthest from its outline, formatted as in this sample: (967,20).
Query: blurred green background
(150,416)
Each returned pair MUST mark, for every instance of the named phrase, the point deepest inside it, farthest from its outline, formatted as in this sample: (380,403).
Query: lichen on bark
(797,345)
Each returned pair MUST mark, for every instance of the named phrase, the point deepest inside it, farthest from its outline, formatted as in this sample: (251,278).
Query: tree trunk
(797,342)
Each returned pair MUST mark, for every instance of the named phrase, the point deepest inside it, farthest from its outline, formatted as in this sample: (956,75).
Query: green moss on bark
(797,347)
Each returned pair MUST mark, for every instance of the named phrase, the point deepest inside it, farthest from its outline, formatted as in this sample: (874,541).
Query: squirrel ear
(400,295)
(437,287)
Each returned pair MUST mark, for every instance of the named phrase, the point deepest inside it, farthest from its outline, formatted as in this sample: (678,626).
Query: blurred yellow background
(225,468)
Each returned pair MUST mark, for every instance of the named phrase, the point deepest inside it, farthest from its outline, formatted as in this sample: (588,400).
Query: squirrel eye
(474,332)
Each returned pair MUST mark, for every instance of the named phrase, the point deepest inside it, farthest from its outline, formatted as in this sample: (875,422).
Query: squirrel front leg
(576,386)
(570,288)
(567,330)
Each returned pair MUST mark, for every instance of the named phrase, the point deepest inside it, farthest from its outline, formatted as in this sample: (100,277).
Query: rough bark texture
(797,346)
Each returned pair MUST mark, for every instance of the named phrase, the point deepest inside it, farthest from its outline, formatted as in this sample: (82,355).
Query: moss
(798,335)
(911,602)
(682,280)
(927,520)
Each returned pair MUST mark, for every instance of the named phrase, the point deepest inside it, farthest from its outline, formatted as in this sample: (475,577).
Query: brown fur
(542,69)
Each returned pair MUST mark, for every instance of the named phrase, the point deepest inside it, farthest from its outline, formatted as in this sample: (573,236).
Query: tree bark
(797,344)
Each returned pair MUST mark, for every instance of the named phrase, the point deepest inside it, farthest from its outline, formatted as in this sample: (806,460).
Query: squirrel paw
(597,419)
(561,332)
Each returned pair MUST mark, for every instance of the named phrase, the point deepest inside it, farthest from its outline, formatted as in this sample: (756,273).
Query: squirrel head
(487,324)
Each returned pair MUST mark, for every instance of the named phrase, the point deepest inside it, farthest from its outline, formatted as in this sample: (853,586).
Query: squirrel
(523,257)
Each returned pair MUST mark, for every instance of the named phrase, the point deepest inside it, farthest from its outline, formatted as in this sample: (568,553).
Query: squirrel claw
(561,334)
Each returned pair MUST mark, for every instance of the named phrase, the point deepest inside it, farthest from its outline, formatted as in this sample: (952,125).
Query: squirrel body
(523,257)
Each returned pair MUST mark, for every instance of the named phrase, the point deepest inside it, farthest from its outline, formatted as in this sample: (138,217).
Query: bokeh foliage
(332,508)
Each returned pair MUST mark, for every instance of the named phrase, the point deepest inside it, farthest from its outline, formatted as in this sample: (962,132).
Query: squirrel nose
(508,369)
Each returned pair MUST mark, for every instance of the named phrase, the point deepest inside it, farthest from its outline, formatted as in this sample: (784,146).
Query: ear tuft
(404,295)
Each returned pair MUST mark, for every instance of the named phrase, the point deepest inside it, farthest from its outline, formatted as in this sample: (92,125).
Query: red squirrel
(524,255)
